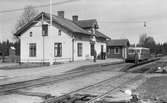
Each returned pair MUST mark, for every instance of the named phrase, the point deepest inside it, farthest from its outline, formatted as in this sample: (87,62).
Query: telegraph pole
(51,19)
(51,13)
(43,40)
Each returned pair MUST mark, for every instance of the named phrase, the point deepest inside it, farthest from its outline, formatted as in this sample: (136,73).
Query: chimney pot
(60,14)
(75,18)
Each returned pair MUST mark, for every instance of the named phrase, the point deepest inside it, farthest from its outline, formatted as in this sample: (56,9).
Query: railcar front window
(131,51)
(138,51)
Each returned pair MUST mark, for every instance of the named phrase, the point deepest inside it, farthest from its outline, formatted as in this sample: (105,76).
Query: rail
(55,99)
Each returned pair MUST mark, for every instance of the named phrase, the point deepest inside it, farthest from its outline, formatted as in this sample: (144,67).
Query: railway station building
(64,40)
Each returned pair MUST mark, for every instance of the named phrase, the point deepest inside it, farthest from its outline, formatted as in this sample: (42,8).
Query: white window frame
(59,32)
(79,49)
(57,49)
(44,29)
(32,49)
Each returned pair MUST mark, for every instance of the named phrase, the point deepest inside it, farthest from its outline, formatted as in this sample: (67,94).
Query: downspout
(73,39)
(19,40)
(43,49)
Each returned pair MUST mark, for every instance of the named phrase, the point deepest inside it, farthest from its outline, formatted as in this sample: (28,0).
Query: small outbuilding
(117,48)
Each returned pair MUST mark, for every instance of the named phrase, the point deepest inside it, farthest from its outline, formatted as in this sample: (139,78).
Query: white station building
(64,40)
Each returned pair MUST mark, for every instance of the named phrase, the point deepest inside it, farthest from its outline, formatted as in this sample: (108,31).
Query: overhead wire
(64,2)
(37,6)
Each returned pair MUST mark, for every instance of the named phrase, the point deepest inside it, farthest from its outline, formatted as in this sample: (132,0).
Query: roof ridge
(87,19)
(119,39)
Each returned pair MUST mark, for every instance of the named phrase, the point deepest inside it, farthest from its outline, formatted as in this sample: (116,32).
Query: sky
(118,19)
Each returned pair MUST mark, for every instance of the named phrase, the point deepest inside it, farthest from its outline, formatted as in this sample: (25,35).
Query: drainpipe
(73,39)
(19,40)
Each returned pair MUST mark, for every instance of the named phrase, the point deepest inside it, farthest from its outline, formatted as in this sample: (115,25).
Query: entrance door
(101,48)
(102,53)
(92,49)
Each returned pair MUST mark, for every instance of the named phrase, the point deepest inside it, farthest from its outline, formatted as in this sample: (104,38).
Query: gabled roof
(28,25)
(87,23)
(99,34)
(118,42)
(63,22)
(68,24)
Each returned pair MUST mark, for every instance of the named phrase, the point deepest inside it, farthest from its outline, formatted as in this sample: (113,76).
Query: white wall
(26,39)
(86,49)
(98,47)
(66,41)
(49,41)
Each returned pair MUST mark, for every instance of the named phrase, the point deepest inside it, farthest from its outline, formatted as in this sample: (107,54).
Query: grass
(155,87)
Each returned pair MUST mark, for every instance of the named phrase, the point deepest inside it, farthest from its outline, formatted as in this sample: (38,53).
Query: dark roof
(118,42)
(69,24)
(66,23)
(87,23)
(99,34)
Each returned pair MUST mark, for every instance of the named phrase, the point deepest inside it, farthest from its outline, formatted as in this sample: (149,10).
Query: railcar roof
(138,48)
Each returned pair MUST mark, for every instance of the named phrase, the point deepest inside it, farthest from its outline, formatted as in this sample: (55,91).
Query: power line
(116,21)
(38,6)
(64,2)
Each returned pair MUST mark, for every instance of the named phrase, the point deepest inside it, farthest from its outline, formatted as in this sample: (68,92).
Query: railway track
(112,88)
(52,100)
(139,65)
(13,87)
(100,84)
(118,87)
(146,67)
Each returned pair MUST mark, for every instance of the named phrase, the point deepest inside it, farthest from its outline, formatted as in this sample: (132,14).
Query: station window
(58,49)
(32,49)
(79,46)
(44,30)
(59,32)
(31,34)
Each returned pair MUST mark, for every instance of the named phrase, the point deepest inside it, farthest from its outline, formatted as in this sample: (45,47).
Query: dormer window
(31,34)
(44,30)
(59,32)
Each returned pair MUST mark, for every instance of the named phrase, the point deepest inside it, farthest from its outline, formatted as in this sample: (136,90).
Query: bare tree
(148,42)
(28,14)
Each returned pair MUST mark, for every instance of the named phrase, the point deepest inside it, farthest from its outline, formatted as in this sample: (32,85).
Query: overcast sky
(116,18)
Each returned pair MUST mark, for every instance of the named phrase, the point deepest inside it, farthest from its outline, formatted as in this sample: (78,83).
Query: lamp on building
(93,37)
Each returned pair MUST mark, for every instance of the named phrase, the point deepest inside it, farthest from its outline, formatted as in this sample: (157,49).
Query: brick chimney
(75,18)
(60,14)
